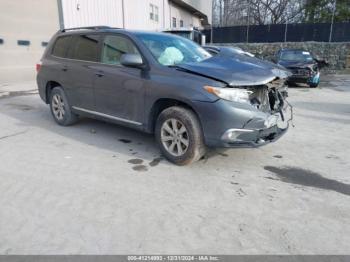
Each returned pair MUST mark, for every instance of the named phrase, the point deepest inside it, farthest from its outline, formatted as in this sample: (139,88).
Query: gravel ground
(96,188)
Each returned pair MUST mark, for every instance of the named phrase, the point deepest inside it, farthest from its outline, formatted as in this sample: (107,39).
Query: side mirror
(132,60)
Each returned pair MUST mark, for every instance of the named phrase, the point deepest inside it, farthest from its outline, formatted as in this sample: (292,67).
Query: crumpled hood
(238,70)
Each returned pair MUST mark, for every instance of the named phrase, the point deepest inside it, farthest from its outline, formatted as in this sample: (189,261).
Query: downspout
(123,14)
(163,14)
(60,14)
(170,20)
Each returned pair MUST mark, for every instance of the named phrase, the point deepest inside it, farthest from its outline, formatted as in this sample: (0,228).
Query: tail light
(38,67)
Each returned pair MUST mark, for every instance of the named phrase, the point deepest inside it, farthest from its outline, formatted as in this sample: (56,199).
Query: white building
(135,14)
(27,26)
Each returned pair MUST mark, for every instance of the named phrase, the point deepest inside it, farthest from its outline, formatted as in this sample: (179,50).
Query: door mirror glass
(131,60)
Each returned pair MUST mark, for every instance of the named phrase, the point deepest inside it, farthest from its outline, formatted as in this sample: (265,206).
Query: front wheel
(313,85)
(179,135)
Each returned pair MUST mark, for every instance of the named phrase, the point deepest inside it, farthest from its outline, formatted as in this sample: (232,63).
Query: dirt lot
(96,188)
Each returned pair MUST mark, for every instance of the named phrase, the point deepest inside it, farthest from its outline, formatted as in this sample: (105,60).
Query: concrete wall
(336,54)
(36,21)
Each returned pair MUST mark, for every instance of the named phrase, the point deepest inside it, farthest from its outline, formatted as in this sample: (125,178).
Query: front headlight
(230,94)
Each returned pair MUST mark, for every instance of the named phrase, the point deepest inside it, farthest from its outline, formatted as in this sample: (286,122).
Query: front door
(119,90)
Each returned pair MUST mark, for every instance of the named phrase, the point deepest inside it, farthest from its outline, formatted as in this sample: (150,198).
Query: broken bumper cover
(252,138)
(276,126)
(313,78)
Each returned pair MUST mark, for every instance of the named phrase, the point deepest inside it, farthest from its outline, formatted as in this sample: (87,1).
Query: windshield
(172,50)
(182,33)
(298,56)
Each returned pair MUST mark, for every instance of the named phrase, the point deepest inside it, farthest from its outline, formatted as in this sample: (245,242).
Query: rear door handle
(100,74)
(65,68)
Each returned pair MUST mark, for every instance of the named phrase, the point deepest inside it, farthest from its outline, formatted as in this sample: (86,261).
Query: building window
(174,22)
(154,12)
(181,23)
(1,41)
(23,42)
(44,44)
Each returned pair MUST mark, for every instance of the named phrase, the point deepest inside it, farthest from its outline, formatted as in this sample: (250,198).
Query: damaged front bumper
(313,77)
(275,127)
(252,138)
(263,120)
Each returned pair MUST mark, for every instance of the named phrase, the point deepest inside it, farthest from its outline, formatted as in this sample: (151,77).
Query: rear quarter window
(61,46)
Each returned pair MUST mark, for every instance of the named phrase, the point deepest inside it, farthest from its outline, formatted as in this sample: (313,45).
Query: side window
(114,47)
(61,46)
(84,47)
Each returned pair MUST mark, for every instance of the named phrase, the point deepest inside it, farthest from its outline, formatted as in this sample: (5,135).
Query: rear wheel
(179,135)
(60,108)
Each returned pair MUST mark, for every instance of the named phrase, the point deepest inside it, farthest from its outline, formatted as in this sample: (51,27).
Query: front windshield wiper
(175,66)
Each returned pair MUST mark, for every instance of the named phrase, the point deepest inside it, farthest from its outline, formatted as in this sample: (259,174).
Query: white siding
(91,12)
(181,14)
(136,14)
(204,6)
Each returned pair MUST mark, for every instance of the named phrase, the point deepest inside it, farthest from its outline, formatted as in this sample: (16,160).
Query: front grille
(300,71)
(268,100)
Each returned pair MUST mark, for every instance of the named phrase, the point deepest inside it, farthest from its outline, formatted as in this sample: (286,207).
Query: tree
(242,12)
(276,11)
(321,11)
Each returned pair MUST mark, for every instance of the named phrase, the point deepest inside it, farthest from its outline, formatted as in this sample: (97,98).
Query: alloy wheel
(58,107)
(174,137)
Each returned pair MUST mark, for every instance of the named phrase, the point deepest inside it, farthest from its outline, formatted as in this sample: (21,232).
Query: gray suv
(163,84)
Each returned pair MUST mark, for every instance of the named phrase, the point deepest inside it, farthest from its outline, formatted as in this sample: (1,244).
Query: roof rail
(87,28)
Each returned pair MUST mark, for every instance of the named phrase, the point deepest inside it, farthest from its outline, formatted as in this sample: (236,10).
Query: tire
(290,84)
(190,141)
(313,85)
(60,108)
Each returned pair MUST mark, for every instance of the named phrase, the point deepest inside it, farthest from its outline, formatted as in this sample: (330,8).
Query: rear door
(78,70)
(119,90)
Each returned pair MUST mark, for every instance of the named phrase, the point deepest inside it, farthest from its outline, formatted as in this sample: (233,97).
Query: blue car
(164,85)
